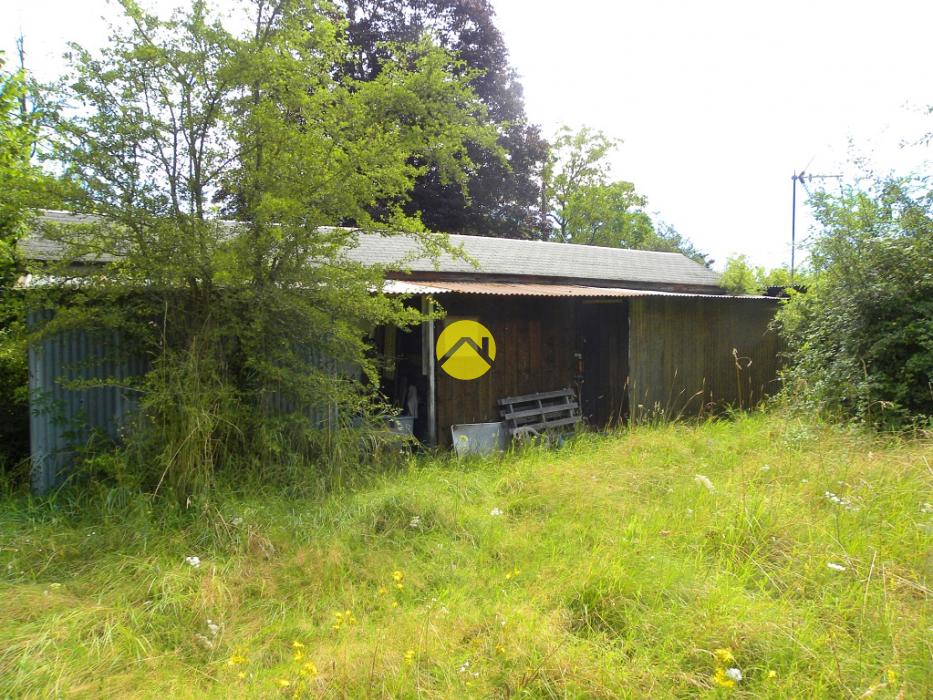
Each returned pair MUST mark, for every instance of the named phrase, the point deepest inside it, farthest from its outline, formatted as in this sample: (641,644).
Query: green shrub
(861,337)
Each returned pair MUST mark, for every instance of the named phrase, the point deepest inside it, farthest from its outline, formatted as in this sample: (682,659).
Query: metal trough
(479,438)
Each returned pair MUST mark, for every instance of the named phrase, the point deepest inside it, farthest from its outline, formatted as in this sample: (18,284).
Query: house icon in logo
(466,350)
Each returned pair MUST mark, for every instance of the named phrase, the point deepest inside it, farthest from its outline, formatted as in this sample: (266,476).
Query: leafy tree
(861,338)
(501,197)
(175,121)
(19,180)
(583,206)
(739,277)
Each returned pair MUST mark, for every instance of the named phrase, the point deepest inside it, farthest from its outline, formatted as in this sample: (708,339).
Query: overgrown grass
(612,571)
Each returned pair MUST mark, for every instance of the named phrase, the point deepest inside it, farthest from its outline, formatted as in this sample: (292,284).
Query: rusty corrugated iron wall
(681,354)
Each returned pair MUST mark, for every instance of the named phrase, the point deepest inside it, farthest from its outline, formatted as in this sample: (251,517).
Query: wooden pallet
(534,414)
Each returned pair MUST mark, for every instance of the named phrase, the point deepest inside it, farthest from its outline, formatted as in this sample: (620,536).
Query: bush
(861,338)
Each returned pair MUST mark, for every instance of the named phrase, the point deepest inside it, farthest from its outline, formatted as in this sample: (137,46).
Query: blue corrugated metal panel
(63,418)
(320,415)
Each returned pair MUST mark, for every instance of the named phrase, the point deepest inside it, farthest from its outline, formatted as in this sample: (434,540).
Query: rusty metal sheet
(536,289)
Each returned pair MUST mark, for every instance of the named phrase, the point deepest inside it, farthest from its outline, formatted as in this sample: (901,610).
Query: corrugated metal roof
(495,256)
(535,289)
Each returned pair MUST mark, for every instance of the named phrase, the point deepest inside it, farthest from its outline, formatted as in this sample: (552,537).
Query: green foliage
(19,182)
(584,206)
(179,120)
(861,338)
(609,572)
(741,277)
(18,129)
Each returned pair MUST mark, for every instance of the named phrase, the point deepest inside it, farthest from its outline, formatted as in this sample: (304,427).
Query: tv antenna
(800,177)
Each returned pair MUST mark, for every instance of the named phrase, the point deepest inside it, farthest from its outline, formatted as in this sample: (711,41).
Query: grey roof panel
(496,256)
(510,257)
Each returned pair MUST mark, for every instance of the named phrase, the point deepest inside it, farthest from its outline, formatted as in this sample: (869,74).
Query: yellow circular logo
(466,350)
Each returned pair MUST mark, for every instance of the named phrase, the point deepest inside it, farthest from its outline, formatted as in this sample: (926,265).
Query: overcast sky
(718,103)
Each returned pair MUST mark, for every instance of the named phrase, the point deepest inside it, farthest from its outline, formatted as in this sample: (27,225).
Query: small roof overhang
(538,289)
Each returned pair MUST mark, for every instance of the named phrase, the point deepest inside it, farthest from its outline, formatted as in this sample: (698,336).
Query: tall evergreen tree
(501,195)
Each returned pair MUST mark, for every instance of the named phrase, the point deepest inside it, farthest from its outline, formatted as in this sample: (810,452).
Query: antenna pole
(793,224)
(799,177)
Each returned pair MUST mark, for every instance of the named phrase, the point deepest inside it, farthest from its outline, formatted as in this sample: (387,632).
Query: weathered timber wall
(534,352)
(681,353)
(537,340)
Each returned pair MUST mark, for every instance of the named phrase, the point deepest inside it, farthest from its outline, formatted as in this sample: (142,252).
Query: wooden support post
(428,368)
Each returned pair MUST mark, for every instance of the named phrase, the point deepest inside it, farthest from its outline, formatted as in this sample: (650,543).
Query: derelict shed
(633,333)
(628,333)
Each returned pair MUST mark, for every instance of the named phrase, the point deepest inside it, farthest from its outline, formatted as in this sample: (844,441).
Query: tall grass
(609,569)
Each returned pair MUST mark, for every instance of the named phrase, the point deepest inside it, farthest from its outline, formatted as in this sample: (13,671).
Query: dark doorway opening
(602,339)
(403,382)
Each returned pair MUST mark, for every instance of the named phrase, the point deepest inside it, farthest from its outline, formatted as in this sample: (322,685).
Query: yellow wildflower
(298,655)
(309,670)
(891,676)
(772,674)
(500,649)
(721,679)
(284,682)
(397,576)
(724,655)
(241,675)
(410,657)
(383,590)
(342,619)
(297,645)
(237,659)
(512,574)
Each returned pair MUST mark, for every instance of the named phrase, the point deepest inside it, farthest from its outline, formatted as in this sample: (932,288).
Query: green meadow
(757,556)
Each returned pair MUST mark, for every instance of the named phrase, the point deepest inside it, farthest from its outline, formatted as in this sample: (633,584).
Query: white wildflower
(193,562)
(415,522)
(926,507)
(765,467)
(735,674)
(704,481)
(236,521)
(495,512)
(839,500)
(836,567)
(213,627)
(464,667)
